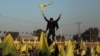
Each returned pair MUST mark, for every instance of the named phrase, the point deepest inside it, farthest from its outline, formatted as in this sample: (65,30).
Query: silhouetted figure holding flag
(52,25)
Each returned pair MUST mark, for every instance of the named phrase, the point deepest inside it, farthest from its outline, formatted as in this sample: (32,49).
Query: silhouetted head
(51,19)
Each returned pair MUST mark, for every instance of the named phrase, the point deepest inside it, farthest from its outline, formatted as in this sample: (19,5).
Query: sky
(25,15)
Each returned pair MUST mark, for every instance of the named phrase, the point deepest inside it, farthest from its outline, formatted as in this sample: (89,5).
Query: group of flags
(9,48)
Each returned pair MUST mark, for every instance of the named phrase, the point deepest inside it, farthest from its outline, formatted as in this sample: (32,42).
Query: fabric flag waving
(61,51)
(70,49)
(24,49)
(98,48)
(8,47)
(43,6)
(43,46)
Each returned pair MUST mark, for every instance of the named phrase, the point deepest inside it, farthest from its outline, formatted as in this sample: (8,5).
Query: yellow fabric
(61,51)
(24,47)
(92,51)
(70,49)
(8,46)
(83,52)
(43,46)
(51,47)
(43,6)
(82,44)
(98,48)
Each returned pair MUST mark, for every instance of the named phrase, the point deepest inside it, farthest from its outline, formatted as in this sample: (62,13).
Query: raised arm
(58,17)
(45,17)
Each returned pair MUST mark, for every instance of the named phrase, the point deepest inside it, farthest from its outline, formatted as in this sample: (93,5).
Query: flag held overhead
(43,6)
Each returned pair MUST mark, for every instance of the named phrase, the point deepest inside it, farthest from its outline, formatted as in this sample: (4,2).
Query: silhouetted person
(52,25)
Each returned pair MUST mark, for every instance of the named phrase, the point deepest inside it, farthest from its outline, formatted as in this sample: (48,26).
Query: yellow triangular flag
(92,51)
(43,6)
(18,46)
(98,48)
(43,46)
(8,46)
(83,52)
(51,47)
(24,47)
(61,50)
(82,44)
(70,49)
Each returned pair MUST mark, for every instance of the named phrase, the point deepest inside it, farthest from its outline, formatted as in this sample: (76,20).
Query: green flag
(8,47)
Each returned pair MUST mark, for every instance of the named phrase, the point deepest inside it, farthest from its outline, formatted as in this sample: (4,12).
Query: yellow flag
(61,50)
(82,44)
(43,46)
(51,47)
(98,48)
(83,52)
(24,48)
(92,51)
(8,46)
(43,6)
(70,49)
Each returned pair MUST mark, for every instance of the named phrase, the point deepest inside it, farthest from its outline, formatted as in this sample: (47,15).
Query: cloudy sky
(25,15)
